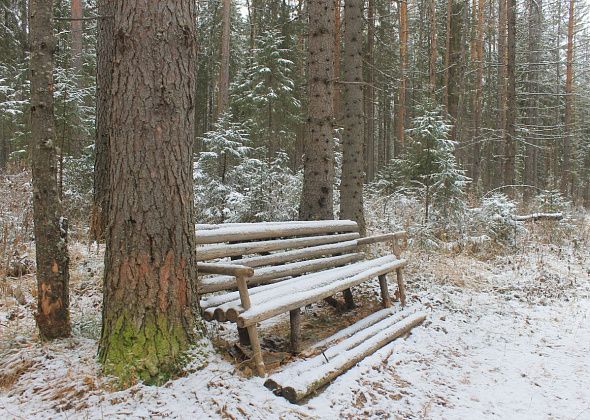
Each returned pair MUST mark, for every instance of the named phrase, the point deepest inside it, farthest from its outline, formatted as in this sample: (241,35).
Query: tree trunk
(369,97)
(353,177)
(104,71)
(53,315)
(223,97)
(566,170)
(477,99)
(502,58)
(148,295)
(433,52)
(403,53)
(535,8)
(318,175)
(337,59)
(510,130)
(77,12)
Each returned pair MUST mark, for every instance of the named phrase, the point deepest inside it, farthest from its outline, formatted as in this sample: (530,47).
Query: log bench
(267,269)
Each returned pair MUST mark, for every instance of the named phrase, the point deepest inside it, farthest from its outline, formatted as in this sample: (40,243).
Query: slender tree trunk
(433,52)
(510,130)
(148,295)
(403,52)
(502,59)
(353,178)
(317,202)
(477,98)
(223,97)
(535,8)
(369,94)
(447,62)
(77,11)
(566,170)
(337,59)
(53,314)
(104,71)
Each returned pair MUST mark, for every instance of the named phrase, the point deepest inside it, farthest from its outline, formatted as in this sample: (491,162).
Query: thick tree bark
(353,176)
(53,316)
(318,177)
(510,128)
(104,71)
(566,170)
(149,298)
(223,97)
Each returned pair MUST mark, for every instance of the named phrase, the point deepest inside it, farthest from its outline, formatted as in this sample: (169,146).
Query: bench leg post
(256,350)
(295,318)
(401,287)
(384,291)
(348,299)
(244,337)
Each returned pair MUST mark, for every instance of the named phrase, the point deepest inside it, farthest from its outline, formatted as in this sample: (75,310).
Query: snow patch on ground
(505,338)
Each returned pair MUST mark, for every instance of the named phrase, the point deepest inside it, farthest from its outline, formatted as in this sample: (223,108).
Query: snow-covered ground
(506,338)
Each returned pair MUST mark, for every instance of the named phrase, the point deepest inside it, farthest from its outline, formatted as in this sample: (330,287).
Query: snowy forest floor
(508,337)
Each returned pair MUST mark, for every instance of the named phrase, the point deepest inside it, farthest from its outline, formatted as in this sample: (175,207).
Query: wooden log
(287,288)
(234,270)
(300,380)
(291,299)
(209,226)
(295,320)
(384,291)
(210,252)
(401,286)
(538,216)
(266,231)
(299,254)
(357,327)
(267,274)
(386,237)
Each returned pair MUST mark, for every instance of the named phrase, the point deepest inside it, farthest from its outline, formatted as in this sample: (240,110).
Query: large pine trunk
(318,177)
(353,176)
(53,317)
(104,70)
(149,297)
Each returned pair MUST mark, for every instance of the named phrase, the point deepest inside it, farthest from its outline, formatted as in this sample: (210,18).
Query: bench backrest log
(276,251)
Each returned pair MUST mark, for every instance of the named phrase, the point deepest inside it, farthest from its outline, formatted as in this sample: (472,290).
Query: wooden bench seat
(282,267)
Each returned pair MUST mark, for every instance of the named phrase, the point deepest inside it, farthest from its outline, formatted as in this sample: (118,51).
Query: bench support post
(384,291)
(348,299)
(400,286)
(256,350)
(244,337)
(252,331)
(295,318)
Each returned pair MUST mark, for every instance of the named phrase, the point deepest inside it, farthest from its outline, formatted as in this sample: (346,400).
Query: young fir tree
(264,94)
(429,166)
